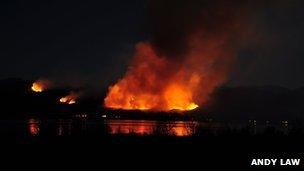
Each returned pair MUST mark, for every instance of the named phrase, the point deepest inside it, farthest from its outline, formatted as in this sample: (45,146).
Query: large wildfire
(40,85)
(146,86)
(190,53)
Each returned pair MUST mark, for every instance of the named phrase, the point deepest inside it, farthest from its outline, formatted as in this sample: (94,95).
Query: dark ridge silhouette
(256,102)
(18,100)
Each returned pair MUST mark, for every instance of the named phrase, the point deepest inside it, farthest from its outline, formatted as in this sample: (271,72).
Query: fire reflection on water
(34,127)
(184,128)
(66,127)
(130,127)
(60,130)
(143,127)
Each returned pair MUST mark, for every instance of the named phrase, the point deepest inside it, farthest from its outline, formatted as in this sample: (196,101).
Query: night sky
(91,43)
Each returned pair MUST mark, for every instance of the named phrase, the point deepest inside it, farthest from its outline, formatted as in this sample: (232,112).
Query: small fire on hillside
(40,85)
(69,99)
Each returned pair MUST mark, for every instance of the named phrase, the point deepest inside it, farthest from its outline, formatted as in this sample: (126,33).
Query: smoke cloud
(190,51)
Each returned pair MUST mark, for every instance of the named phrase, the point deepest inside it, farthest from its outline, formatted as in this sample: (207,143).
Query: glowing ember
(40,85)
(69,99)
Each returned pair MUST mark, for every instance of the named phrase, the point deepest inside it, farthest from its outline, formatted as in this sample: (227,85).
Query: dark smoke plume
(191,50)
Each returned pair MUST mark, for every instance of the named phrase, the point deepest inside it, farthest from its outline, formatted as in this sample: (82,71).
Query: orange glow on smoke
(69,99)
(184,80)
(40,86)
(185,58)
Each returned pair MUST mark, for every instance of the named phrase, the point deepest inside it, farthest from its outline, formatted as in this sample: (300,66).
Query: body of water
(81,125)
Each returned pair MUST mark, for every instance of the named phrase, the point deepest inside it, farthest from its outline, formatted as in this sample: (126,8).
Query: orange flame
(161,83)
(186,59)
(69,99)
(40,85)
(147,86)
